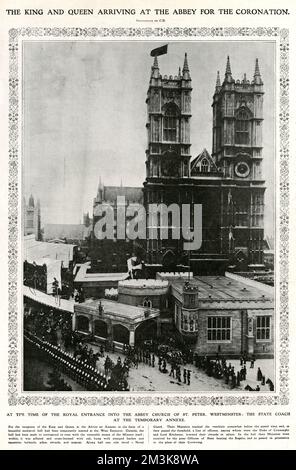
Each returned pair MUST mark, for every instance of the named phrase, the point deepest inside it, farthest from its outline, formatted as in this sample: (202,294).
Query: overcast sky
(85,113)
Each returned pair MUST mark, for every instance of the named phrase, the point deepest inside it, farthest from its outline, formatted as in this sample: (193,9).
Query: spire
(257,75)
(100,190)
(31,201)
(228,68)
(228,75)
(257,71)
(155,68)
(179,72)
(185,70)
(218,82)
(99,185)
(185,66)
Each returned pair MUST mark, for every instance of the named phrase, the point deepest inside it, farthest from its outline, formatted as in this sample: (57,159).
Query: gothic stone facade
(228,184)
(237,150)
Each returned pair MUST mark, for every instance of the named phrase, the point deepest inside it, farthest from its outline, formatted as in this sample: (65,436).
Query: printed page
(148,225)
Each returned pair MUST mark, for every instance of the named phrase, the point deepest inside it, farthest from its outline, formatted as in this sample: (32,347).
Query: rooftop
(49,300)
(143,283)
(118,309)
(174,275)
(36,251)
(224,288)
(83,276)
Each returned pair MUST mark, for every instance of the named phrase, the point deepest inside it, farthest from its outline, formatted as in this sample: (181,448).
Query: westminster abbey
(228,183)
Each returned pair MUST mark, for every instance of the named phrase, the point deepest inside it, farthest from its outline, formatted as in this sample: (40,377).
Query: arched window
(147,303)
(204,165)
(82,323)
(170,124)
(242,128)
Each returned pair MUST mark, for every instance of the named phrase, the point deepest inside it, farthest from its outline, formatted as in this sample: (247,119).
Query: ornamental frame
(14,393)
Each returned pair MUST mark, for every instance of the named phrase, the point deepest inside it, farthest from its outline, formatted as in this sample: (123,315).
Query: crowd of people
(117,373)
(75,367)
(49,325)
(55,329)
(219,368)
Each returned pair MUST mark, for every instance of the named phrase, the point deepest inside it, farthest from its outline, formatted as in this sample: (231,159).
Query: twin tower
(228,183)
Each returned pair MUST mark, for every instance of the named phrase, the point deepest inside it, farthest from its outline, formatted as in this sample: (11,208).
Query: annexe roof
(221,287)
(118,309)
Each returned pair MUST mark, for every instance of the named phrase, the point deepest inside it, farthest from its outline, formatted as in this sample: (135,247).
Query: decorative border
(16,398)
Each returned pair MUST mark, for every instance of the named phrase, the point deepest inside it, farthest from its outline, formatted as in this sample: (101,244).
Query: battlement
(144,283)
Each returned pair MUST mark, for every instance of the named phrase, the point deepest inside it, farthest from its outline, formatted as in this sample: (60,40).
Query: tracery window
(242,128)
(170,124)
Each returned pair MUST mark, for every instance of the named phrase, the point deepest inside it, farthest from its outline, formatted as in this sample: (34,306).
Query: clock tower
(237,151)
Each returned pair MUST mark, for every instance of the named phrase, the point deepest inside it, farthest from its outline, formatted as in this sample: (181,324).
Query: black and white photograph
(148,215)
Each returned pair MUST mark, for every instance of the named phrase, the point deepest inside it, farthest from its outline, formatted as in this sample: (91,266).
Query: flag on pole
(159,51)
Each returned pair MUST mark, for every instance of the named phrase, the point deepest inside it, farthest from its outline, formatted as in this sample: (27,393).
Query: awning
(48,300)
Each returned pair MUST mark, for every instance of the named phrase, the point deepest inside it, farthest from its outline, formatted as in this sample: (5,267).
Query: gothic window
(170,124)
(258,199)
(204,165)
(191,323)
(219,328)
(263,328)
(242,128)
(147,303)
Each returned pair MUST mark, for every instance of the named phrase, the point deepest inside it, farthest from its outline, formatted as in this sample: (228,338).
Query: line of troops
(84,374)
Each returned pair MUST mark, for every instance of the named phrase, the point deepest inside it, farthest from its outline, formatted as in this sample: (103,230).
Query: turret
(100,191)
(257,75)
(218,83)
(228,74)
(155,68)
(185,71)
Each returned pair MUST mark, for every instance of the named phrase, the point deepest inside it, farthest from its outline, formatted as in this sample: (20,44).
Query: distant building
(67,233)
(32,218)
(110,255)
(228,184)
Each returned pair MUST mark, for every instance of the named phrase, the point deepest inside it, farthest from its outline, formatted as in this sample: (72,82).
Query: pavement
(148,378)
